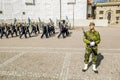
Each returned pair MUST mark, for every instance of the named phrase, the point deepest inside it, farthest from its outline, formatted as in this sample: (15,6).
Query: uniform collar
(92,31)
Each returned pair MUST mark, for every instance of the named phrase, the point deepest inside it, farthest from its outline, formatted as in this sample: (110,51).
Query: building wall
(102,13)
(114,0)
(96,1)
(44,9)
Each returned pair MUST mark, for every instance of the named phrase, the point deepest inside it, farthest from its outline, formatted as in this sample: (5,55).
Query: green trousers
(91,50)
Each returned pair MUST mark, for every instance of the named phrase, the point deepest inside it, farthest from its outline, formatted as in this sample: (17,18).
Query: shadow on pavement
(100,58)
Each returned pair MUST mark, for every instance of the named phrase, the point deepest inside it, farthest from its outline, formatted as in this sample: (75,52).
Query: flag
(57,21)
(29,21)
(51,22)
(67,19)
(15,20)
(40,22)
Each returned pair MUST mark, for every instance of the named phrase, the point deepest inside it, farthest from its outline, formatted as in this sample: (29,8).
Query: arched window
(109,16)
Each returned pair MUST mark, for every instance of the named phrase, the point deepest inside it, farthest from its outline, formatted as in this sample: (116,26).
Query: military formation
(91,37)
(24,30)
(17,30)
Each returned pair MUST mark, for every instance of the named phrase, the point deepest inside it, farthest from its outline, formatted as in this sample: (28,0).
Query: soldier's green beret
(92,23)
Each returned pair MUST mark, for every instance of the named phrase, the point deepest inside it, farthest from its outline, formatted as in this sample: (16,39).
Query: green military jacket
(92,36)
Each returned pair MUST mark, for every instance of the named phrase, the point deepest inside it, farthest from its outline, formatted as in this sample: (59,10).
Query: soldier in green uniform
(91,39)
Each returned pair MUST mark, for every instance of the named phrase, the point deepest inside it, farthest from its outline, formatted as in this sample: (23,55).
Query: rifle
(90,40)
(86,35)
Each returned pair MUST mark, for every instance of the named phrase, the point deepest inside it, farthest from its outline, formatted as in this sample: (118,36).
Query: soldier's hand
(92,43)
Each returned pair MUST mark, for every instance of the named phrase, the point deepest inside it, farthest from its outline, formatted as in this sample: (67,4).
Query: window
(30,2)
(100,17)
(101,12)
(117,18)
(23,13)
(117,11)
(1,12)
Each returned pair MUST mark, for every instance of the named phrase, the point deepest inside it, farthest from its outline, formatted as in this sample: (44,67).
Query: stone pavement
(59,59)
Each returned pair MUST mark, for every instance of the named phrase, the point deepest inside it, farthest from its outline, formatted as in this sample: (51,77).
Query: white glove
(92,43)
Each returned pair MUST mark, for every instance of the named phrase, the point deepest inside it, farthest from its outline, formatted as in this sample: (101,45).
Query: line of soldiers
(26,30)
(48,30)
(19,29)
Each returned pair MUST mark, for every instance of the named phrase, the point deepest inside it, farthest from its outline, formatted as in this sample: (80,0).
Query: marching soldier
(37,27)
(18,28)
(8,30)
(52,26)
(66,28)
(2,31)
(34,29)
(61,27)
(27,30)
(48,30)
(91,39)
(45,30)
(51,29)
(14,30)
(23,31)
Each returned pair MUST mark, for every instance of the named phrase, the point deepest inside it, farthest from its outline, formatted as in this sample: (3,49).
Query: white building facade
(44,9)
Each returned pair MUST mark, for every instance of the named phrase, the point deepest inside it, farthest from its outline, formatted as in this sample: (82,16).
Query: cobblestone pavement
(59,59)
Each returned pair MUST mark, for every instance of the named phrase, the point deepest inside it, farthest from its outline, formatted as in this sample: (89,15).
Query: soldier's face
(92,27)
